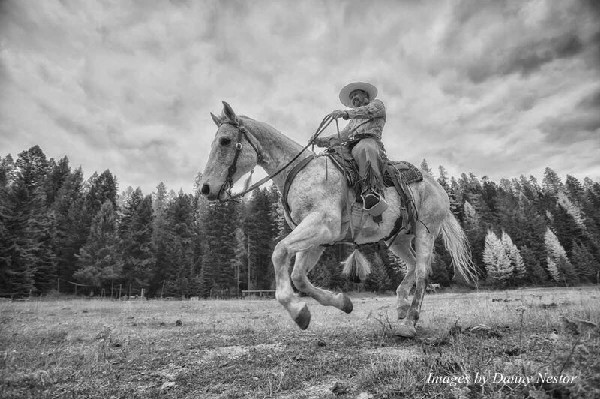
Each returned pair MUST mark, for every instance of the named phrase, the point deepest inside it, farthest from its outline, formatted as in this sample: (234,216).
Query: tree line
(61,233)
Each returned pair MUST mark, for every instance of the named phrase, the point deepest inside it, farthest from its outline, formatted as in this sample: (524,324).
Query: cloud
(471,85)
(578,128)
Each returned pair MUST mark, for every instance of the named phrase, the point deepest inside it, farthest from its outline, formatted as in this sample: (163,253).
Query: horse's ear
(215,119)
(229,112)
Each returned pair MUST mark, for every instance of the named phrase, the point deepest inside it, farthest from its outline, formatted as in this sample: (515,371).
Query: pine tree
(551,183)
(553,270)
(378,280)
(220,221)
(566,228)
(425,166)
(585,265)
(71,231)
(498,265)
(124,197)
(261,230)
(590,205)
(179,237)
(439,270)
(324,274)
(5,239)
(514,256)
(529,190)
(58,173)
(397,270)
(100,189)
(160,232)
(100,262)
(535,272)
(489,197)
(29,227)
(574,189)
(557,259)
(443,179)
(472,219)
(241,257)
(571,208)
(456,196)
(136,245)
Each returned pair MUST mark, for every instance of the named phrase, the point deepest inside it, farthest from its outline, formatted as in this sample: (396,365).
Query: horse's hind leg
(305,261)
(424,252)
(401,247)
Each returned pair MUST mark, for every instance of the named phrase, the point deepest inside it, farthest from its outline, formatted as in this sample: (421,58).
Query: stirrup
(373,204)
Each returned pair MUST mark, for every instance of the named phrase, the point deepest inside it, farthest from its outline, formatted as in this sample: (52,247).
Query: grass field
(252,349)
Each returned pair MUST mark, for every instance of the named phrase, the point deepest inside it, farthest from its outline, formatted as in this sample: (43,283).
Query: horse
(318,199)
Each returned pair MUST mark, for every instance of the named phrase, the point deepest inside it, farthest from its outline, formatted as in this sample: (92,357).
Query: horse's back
(430,197)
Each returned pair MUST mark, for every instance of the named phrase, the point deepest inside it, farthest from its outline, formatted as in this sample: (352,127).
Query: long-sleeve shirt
(367,120)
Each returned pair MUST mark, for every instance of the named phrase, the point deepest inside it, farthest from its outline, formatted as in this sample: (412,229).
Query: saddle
(397,174)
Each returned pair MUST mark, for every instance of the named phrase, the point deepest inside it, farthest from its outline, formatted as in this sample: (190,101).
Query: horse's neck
(278,150)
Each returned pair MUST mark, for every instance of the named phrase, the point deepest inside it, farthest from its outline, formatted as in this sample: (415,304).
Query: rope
(322,126)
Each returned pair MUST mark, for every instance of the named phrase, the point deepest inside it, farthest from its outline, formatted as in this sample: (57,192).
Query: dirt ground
(538,343)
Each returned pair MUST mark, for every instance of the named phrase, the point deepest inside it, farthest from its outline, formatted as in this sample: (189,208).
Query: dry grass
(251,349)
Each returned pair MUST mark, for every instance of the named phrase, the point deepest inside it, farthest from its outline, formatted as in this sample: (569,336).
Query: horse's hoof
(406,331)
(348,307)
(303,318)
(403,311)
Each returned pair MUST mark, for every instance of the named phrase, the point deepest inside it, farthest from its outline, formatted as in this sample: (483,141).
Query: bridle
(243,132)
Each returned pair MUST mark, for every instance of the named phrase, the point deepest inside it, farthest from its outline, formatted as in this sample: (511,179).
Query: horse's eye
(225,141)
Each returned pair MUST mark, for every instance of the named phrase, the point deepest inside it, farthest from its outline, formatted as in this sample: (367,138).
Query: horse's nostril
(205,189)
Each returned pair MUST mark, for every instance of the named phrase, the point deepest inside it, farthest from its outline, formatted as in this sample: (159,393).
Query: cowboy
(363,136)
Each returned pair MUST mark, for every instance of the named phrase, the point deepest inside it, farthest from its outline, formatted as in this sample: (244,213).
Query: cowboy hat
(349,88)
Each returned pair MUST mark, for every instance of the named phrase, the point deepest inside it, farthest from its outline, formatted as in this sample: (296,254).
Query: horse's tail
(360,261)
(357,265)
(457,244)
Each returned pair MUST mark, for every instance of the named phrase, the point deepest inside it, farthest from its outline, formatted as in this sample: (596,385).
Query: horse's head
(232,155)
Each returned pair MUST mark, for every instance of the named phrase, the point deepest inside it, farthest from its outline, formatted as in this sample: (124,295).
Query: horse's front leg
(305,261)
(316,229)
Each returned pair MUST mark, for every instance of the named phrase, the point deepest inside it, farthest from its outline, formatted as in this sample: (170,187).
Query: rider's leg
(367,154)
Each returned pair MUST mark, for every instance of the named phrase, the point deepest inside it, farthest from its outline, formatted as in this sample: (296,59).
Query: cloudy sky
(496,88)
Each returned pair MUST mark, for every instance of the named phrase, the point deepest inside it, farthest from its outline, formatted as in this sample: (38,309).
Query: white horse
(318,198)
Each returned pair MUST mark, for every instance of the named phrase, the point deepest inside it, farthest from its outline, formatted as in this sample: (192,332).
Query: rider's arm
(374,109)
(334,139)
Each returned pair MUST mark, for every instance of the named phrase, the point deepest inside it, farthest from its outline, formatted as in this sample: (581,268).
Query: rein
(243,132)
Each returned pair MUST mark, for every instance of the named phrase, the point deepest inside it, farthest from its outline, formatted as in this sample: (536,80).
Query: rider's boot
(374,203)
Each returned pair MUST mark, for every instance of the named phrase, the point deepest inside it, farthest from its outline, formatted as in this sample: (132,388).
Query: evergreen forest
(63,234)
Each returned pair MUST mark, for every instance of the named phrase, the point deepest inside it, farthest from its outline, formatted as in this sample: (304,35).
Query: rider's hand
(321,142)
(339,114)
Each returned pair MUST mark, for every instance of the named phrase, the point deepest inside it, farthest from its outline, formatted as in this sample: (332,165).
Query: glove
(321,142)
(339,114)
